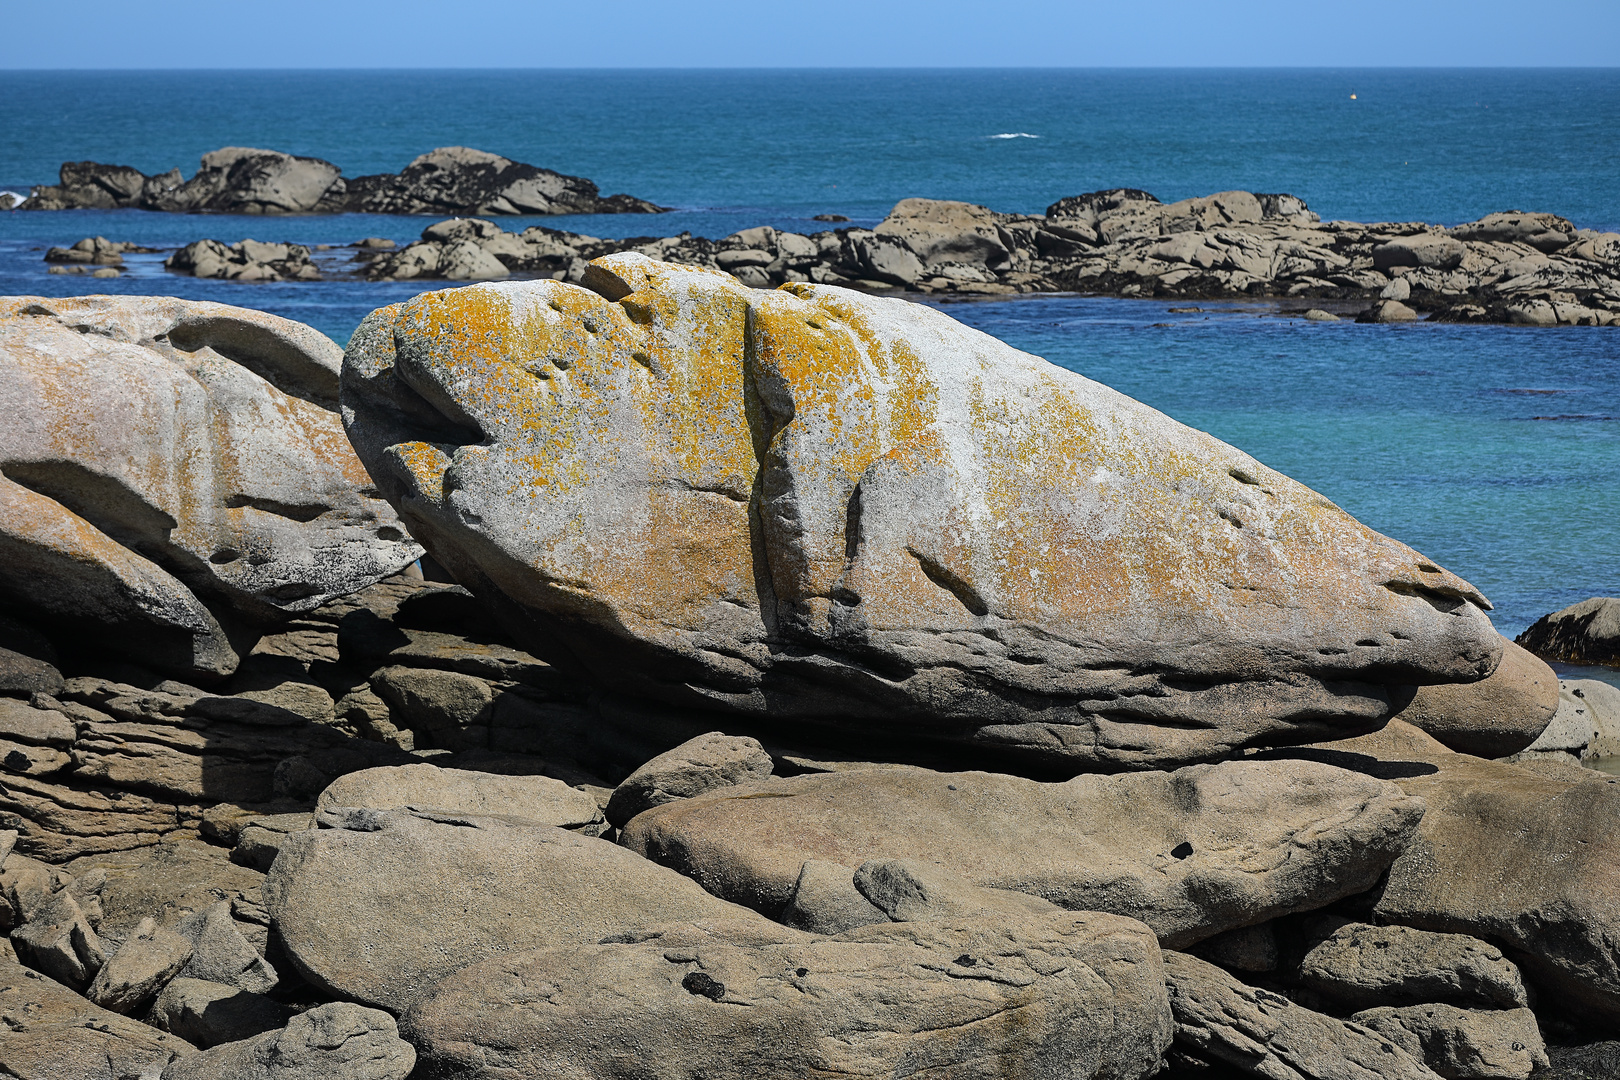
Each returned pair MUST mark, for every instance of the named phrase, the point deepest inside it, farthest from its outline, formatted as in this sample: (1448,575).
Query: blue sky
(107,34)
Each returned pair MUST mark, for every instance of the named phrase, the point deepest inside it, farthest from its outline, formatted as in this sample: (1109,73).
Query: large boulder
(1495,717)
(538,800)
(459,180)
(243,180)
(1190,853)
(818,507)
(1526,860)
(1360,967)
(335,1041)
(1075,995)
(51,1033)
(710,761)
(940,232)
(1544,232)
(1583,633)
(380,916)
(1464,1044)
(169,463)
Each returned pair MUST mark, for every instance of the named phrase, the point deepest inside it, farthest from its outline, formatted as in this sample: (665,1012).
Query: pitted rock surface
(822,507)
(165,455)
(1071,995)
(1190,853)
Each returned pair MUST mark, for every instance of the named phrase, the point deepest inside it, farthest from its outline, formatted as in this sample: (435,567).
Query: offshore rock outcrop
(1535,269)
(823,509)
(243,180)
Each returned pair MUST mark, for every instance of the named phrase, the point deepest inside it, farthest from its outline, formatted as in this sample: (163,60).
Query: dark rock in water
(843,583)
(1105,843)
(249,260)
(1583,633)
(1070,995)
(242,180)
(95,251)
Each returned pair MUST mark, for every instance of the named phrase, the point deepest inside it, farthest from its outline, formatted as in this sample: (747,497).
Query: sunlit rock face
(831,511)
(167,463)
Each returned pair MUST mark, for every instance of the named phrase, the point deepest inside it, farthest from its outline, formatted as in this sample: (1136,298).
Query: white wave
(10,200)
(1015,135)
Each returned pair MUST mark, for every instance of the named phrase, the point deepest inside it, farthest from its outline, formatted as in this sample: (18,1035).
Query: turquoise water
(1494,450)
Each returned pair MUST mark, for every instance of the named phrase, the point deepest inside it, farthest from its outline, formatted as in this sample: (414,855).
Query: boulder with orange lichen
(814,508)
(167,464)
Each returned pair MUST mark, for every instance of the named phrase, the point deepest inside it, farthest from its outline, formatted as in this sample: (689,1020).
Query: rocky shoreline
(658,676)
(1531,269)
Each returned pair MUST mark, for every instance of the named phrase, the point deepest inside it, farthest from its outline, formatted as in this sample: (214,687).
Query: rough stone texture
(1528,861)
(220,953)
(1583,633)
(24,675)
(143,965)
(826,901)
(168,452)
(1497,716)
(208,1013)
(907,890)
(166,882)
(1464,1044)
(1190,853)
(1076,995)
(702,764)
(51,1033)
(380,916)
(59,941)
(1361,966)
(1595,1061)
(1248,948)
(1585,728)
(888,561)
(1264,1033)
(538,800)
(336,1041)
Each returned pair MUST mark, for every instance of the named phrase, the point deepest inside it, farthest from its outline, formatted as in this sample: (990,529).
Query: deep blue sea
(1494,450)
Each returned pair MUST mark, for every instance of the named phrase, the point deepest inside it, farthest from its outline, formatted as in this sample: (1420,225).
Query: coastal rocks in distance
(173,463)
(1164,848)
(249,260)
(884,560)
(242,180)
(1583,633)
(1122,242)
(421,899)
(1073,994)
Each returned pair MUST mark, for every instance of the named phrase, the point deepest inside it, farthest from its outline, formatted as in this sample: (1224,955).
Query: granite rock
(1497,716)
(710,761)
(537,800)
(208,1013)
(144,964)
(335,1041)
(1583,633)
(1464,1044)
(1360,967)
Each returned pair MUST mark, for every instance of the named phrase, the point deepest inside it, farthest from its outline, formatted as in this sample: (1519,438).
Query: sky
(207,34)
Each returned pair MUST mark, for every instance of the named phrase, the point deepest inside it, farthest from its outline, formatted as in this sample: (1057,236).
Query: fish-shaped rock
(826,510)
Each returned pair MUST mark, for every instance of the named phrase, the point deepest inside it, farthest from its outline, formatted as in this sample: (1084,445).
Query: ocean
(1494,450)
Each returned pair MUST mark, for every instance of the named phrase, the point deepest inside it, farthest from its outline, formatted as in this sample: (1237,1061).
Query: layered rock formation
(169,464)
(1533,269)
(815,507)
(242,180)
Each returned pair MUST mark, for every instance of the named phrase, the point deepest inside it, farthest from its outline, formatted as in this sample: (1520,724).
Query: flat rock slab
(1264,1033)
(1526,860)
(540,800)
(378,917)
(1190,853)
(1071,995)
(1362,967)
(51,1033)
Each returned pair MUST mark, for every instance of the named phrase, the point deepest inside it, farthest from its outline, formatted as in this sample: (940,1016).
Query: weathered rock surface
(1190,853)
(1525,860)
(1071,995)
(1361,966)
(1583,633)
(710,761)
(1585,727)
(537,800)
(58,940)
(1497,716)
(208,1013)
(336,1041)
(249,260)
(1539,270)
(1464,1044)
(51,1033)
(380,916)
(221,954)
(167,455)
(888,561)
(1264,1033)
(243,180)
(144,964)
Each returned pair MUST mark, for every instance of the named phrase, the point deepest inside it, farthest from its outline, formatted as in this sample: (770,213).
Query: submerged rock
(828,509)
(1077,995)
(173,463)
(1190,853)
